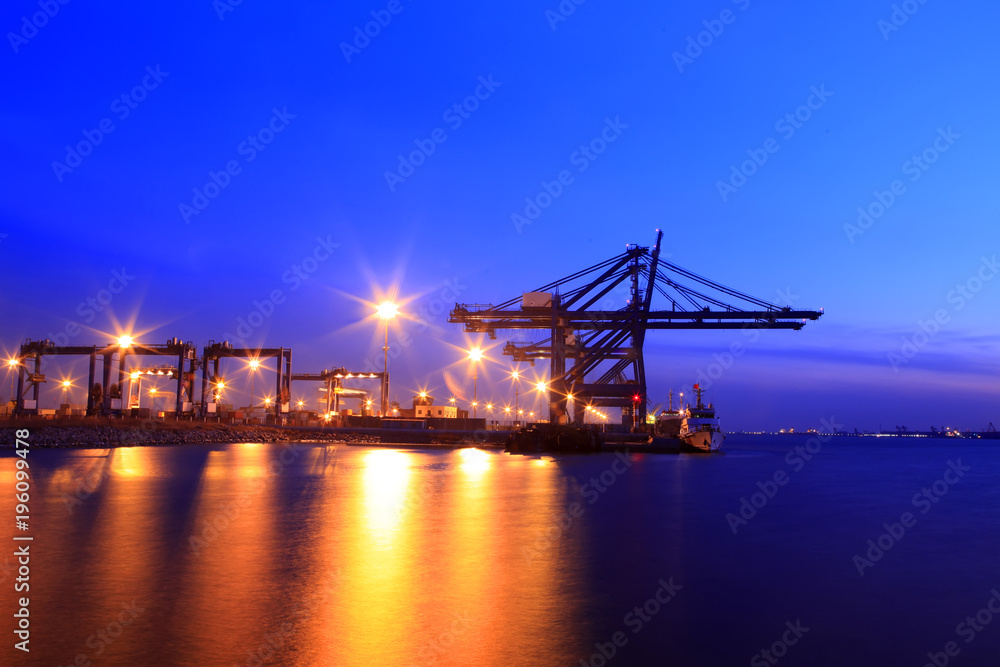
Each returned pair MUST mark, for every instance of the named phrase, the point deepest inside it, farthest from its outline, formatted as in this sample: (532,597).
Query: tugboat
(700,431)
(543,437)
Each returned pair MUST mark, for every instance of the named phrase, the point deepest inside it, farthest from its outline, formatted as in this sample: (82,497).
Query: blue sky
(554,85)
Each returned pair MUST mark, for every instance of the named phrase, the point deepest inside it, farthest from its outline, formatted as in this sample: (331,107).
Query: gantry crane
(34,351)
(604,346)
(333,381)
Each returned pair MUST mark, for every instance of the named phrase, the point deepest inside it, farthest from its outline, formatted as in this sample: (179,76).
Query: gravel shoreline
(154,433)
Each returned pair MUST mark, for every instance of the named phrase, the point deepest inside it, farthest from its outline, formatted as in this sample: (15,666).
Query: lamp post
(475,354)
(516,376)
(124,344)
(12,363)
(540,386)
(386,311)
(254,365)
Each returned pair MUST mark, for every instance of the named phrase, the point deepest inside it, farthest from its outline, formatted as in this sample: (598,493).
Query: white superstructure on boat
(700,430)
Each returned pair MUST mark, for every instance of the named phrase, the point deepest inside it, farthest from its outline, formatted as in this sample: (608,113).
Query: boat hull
(702,441)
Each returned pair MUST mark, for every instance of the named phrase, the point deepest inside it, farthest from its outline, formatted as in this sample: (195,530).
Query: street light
(12,363)
(124,342)
(386,311)
(254,365)
(475,355)
(540,386)
(516,376)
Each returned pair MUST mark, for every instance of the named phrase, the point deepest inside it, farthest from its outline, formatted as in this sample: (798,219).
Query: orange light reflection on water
(430,553)
(120,553)
(346,556)
(386,477)
(372,609)
(232,551)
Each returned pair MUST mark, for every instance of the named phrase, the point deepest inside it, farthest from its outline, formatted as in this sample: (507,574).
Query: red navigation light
(635,398)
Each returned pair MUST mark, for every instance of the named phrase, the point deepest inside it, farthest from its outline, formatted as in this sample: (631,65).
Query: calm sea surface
(249,554)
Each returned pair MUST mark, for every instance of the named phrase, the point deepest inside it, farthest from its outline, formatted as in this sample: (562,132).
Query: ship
(668,422)
(700,430)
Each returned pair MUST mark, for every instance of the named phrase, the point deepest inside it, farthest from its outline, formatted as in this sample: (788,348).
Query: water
(369,556)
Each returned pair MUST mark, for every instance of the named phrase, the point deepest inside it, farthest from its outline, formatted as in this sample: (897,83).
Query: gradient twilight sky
(891,92)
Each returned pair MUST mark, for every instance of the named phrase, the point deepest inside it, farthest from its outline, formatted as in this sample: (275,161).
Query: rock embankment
(158,433)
